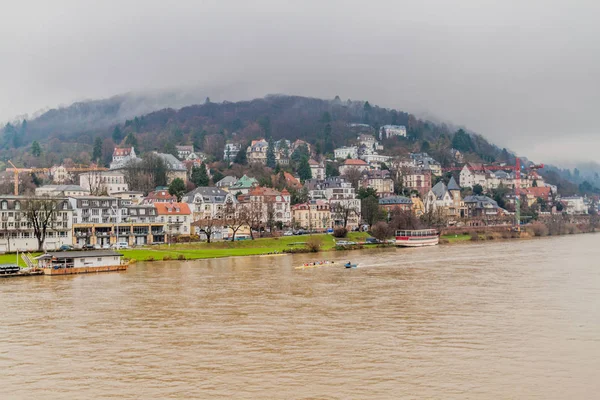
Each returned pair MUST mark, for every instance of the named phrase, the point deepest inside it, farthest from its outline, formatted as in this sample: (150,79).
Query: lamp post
(117,212)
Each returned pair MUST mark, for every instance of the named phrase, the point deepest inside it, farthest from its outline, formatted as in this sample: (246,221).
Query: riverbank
(197,251)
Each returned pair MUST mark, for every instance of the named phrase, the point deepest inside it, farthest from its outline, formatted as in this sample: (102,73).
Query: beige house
(314,215)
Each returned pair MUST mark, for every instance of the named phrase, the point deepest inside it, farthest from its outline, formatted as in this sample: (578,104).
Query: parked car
(88,247)
(65,247)
(288,233)
(120,245)
(106,246)
(372,240)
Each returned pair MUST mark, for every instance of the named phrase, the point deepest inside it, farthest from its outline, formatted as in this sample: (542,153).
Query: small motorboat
(350,265)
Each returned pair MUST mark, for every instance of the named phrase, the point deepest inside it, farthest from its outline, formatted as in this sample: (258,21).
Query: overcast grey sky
(525,74)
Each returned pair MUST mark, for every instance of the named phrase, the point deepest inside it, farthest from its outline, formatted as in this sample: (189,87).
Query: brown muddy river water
(496,320)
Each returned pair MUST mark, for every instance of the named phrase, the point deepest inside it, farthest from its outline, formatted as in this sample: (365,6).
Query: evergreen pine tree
(97,153)
(304,171)
(36,149)
(271,162)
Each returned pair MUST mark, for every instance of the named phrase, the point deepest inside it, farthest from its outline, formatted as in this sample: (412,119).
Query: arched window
(17,205)
(4,205)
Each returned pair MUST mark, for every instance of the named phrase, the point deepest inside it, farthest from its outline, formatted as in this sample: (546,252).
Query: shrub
(181,257)
(150,259)
(167,258)
(474,236)
(571,229)
(540,230)
(381,231)
(340,232)
(313,244)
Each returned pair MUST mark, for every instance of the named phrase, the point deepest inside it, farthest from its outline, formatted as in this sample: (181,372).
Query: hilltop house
(231,151)
(389,131)
(175,168)
(438,197)
(183,152)
(60,174)
(108,182)
(345,152)
(417,179)
(121,156)
(350,163)
(226,182)
(243,185)
(317,169)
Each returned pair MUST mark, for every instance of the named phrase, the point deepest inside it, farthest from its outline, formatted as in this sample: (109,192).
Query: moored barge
(81,262)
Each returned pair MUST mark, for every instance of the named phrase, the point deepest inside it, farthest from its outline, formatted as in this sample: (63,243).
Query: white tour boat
(417,238)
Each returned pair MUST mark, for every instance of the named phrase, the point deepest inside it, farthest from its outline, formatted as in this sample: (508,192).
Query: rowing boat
(315,265)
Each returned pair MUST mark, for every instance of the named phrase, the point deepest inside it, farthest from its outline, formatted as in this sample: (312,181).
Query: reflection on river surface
(484,321)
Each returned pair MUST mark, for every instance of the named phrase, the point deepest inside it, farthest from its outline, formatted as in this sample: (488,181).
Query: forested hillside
(88,131)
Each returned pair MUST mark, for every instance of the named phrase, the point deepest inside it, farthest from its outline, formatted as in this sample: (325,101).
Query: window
(17,205)
(4,205)
(98,259)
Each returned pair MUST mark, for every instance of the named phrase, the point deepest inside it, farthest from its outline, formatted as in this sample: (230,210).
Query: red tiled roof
(539,191)
(160,195)
(172,208)
(354,162)
(122,151)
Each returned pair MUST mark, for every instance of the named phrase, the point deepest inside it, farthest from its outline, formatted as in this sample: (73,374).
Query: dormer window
(4,205)
(17,205)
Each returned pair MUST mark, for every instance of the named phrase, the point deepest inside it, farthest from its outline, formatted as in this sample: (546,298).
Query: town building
(425,161)
(104,221)
(60,174)
(345,152)
(183,152)
(342,199)
(574,205)
(257,151)
(314,215)
(379,180)
(350,163)
(159,196)
(17,231)
(272,204)
(176,217)
(121,156)
(243,185)
(317,169)
(227,182)
(482,207)
(61,191)
(131,197)
(208,202)
(104,182)
(175,168)
(389,131)
(417,179)
(375,158)
(438,198)
(231,151)
(471,175)
(392,203)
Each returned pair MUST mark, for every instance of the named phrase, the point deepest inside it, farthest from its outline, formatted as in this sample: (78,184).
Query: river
(516,319)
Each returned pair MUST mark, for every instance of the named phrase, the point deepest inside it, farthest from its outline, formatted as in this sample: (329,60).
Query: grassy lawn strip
(456,238)
(12,258)
(192,251)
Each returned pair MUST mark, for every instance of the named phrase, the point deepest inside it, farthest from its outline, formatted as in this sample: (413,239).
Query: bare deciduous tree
(41,213)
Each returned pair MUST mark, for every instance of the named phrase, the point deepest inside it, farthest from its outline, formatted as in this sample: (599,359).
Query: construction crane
(517,169)
(17,171)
